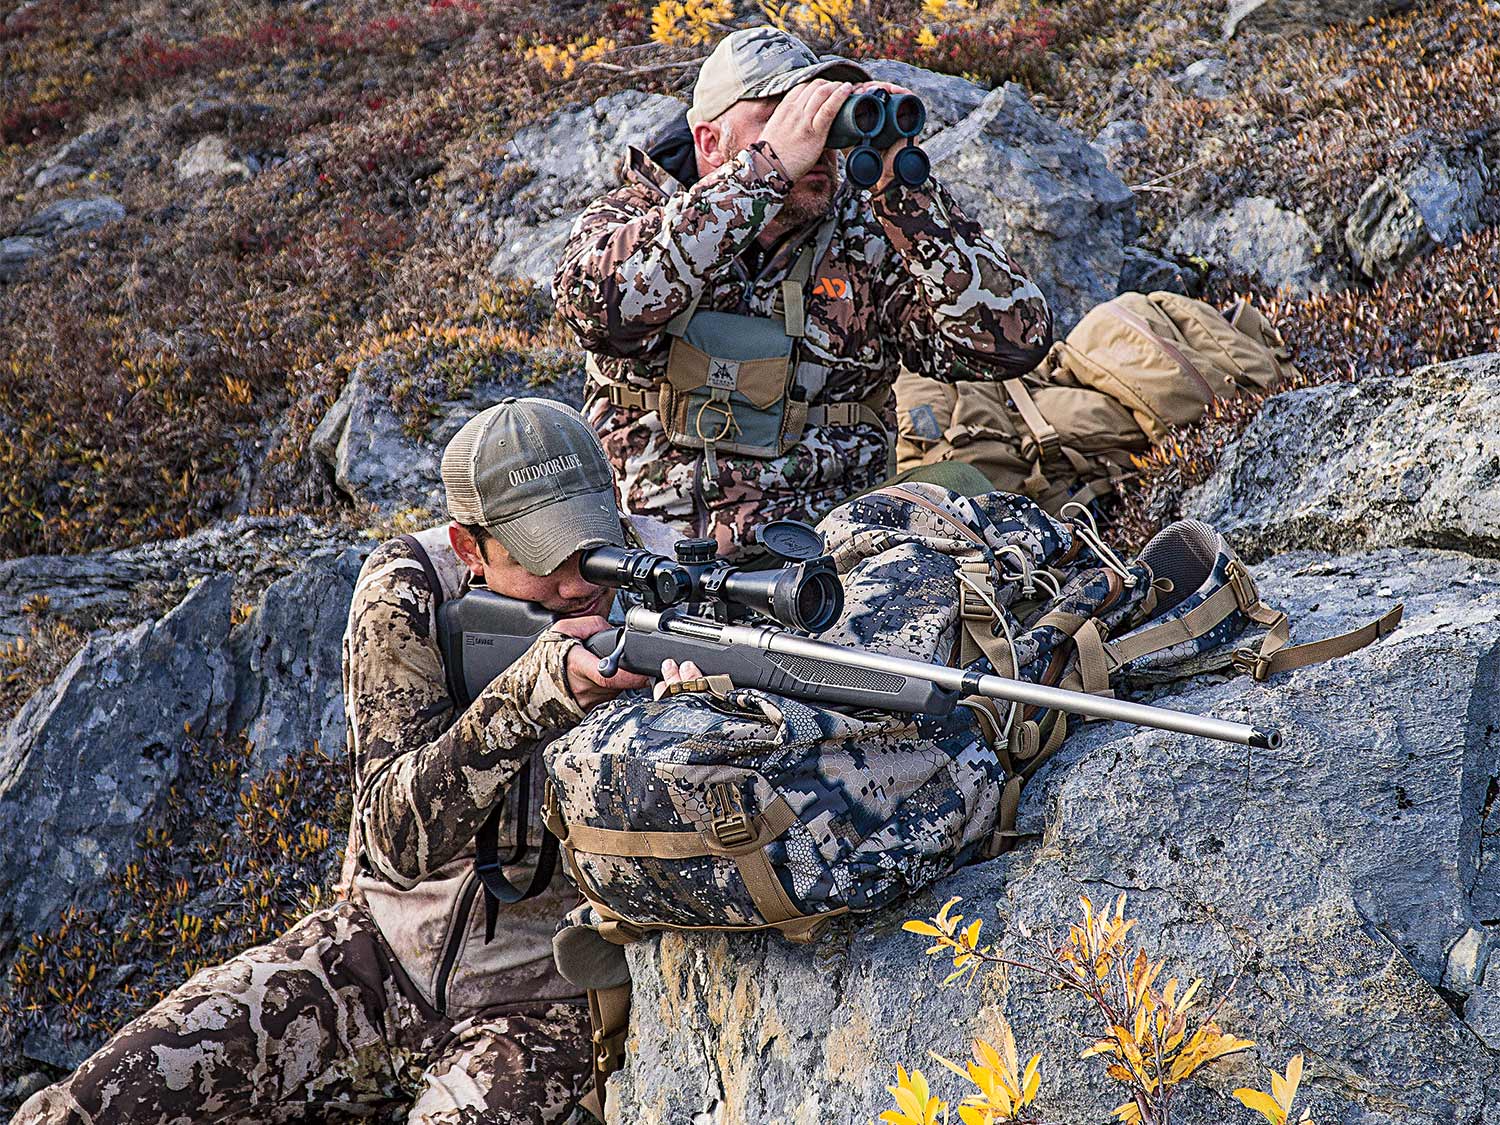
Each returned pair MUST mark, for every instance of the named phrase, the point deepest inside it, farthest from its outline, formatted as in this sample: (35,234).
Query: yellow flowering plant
(1151,1043)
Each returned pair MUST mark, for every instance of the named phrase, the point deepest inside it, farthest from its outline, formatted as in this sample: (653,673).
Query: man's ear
(466,547)
(708,146)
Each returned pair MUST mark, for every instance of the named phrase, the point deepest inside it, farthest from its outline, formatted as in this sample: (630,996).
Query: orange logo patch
(835,287)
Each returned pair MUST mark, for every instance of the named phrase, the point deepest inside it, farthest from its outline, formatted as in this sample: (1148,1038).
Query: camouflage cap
(760,62)
(532,474)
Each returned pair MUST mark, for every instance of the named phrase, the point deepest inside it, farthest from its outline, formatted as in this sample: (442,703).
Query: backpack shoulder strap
(450,674)
(487,862)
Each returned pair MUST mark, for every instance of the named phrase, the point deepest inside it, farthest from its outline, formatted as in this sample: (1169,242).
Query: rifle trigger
(609,665)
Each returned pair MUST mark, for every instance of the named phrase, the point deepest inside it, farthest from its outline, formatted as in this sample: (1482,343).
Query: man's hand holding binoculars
(798,129)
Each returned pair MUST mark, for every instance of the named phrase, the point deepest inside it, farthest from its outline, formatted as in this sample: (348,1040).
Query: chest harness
(731,382)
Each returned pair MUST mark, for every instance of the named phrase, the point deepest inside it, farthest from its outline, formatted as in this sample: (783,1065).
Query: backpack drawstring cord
(1086,529)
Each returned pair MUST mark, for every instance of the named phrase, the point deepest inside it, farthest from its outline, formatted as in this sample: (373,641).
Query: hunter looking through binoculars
(746,304)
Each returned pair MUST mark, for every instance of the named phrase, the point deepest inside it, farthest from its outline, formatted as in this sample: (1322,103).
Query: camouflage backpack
(725,808)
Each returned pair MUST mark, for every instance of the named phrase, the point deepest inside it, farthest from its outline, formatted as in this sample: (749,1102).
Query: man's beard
(808,201)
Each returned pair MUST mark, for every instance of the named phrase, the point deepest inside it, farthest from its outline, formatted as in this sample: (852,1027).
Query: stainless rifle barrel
(1016,691)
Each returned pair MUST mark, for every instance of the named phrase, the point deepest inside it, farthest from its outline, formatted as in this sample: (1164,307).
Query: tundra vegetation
(165,370)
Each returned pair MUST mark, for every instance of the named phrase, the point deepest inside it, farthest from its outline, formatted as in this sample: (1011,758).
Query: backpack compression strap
(1274,654)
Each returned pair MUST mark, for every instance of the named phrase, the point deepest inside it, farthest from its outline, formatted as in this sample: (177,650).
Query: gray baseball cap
(532,473)
(760,62)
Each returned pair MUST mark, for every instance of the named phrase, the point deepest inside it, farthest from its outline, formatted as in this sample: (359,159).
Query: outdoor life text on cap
(532,473)
(760,62)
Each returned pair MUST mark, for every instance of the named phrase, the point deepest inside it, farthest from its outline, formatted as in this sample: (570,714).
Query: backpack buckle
(971,603)
(1251,663)
(1246,596)
(731,825)
(609,1050)
(971,607)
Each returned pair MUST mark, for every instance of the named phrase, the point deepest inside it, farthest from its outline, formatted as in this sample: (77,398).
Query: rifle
(744,624)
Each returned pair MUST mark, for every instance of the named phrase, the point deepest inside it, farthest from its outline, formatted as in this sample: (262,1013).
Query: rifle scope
(805,595)
(873,121)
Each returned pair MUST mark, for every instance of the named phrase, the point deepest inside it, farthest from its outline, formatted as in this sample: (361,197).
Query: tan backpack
(1134,368)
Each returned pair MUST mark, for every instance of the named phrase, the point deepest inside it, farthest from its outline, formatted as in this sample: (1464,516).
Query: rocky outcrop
(1279,17)
(1395,460)
(16,252)
(86,763)
(557,167)
(119,589)
(288,688)
(1401,218)
(210,157)
(377,460)
(1332,881)
(73,216)
(1258,238)
(1045,193)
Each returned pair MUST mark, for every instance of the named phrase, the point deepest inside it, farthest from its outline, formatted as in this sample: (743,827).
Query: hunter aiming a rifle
(397,996)
(746,309)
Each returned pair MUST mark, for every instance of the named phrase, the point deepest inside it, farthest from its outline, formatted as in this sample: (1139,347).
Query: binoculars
(803,593)
(870,123)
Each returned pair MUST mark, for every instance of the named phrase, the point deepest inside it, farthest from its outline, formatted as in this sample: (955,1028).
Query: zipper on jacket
(456,938)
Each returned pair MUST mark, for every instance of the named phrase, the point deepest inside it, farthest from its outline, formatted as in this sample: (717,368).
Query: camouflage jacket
(424,781)
(907,279)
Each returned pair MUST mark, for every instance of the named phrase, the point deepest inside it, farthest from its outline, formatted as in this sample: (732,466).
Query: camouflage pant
(314,1026)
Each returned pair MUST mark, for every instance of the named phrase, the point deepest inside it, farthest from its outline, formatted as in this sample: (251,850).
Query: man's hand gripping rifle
(748,625)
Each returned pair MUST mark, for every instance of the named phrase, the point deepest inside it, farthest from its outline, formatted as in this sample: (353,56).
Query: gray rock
(1279,17)
(377,462)
(73,216)
(58,174)
(1398,219)
(1115,139)
(1258,238)
(288,694)
(948,98)
(1482,1008)
(86,763)
(561,165)
(1393,460)
(85,148)
(1144,272)
(210,157)
(120,589)
(1046,194)
(16,252)
(1329,879)
(26,1085)
(1204,79)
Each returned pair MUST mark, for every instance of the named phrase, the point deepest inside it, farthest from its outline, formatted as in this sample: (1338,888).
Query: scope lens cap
(791,539)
